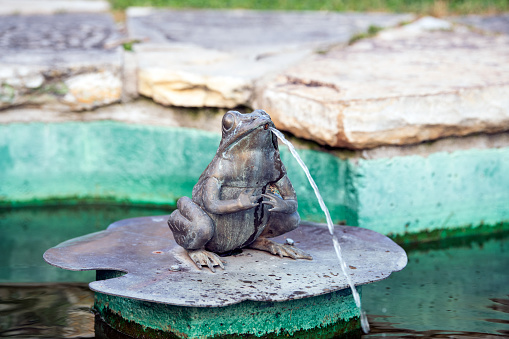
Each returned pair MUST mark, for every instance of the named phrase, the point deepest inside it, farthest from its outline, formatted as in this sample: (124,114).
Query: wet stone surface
(145,249)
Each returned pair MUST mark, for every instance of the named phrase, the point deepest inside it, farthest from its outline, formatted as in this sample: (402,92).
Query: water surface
(457,289)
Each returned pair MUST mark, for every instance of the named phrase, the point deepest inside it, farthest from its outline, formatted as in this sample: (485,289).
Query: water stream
(330,225)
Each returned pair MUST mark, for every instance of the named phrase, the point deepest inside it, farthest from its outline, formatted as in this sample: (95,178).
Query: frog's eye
(228,121)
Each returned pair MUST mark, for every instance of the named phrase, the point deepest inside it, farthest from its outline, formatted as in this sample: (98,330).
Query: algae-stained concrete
(106,160)
(100,160)
(392,190)
(333,314)
(442,190)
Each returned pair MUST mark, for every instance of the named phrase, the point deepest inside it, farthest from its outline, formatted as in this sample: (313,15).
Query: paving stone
(16,7)
(213,58)
(405,86)
(495,23)
(69,61)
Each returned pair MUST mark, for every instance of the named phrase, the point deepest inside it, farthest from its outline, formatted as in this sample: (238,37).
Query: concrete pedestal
(332,315)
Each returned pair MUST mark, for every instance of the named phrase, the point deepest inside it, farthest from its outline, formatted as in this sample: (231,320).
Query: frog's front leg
(213,203)
(283,218)
(192,228)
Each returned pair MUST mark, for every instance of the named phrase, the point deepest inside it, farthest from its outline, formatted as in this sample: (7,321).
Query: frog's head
(251,128)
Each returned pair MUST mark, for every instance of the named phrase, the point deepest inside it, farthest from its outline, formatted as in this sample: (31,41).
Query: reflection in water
(455,290)
(26,233)
(51,310)
(65,311)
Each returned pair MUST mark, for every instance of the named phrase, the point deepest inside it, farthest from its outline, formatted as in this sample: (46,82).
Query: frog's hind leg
(280,223)
(192,228)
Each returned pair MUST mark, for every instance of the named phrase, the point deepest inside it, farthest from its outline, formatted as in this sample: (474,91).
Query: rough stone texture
(407,85)
(16,7)
(68,61)
(199,58)
(139,112)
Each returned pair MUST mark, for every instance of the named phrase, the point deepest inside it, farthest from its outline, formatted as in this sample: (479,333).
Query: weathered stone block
(64,61)
(199,58)
(405,86)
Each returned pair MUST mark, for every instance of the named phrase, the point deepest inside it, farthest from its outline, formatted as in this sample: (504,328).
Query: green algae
(333,314)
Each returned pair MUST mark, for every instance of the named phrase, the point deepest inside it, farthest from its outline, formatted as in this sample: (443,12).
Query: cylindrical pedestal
(329,315)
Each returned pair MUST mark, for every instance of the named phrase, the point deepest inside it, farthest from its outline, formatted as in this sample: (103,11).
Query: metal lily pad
(158,270)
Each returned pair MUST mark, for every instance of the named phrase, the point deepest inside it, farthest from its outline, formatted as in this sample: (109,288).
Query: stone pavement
(65,61)
(495,24)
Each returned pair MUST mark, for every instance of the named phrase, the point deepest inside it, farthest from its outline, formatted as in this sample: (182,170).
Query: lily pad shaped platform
(148,287)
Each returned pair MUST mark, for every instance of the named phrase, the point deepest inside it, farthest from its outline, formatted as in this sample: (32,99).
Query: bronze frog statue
(242,199)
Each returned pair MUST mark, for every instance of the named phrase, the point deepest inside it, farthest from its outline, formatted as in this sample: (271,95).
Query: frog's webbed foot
(205,258)
(275,248)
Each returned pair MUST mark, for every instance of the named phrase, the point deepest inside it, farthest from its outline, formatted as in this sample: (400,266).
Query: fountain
(151,282)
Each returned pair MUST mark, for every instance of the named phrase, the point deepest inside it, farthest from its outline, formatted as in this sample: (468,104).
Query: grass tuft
(371,32)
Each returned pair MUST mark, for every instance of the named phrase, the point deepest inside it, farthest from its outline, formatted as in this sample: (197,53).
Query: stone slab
(198,58)
(419,82)
(17,7)
(67,61)
(493,23)
(139,112)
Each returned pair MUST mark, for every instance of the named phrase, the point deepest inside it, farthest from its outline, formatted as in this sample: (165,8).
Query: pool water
(459,288)
(452,289)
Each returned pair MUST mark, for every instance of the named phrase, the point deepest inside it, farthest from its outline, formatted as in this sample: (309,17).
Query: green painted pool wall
(111,161)
(332,314)
(100,160)
(118,162)
(441,191)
